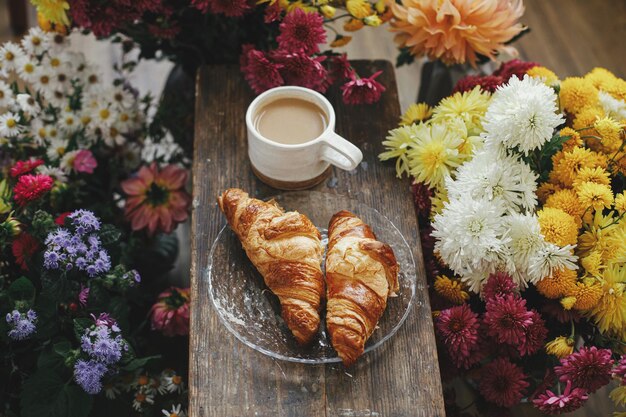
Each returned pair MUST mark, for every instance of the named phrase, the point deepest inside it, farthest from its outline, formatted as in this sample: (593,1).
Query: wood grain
(229,379)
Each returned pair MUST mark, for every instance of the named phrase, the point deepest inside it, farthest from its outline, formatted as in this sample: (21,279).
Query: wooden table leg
(18,17)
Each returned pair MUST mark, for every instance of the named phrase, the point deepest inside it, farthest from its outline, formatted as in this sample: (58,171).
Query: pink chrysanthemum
(570,400)
(487,83)
(298,68)
(513,67)
(498,284)
(458,327)
(24,167)
(507,319)
(620,370)
(535,335)
(502,383)
(300,30)
(362,90)
(260,72)
(589,368)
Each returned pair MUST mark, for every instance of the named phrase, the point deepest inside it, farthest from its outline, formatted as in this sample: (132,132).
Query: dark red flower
(502,383)
(514,67)
(303,31)
(24,167)
(298,68)
(535,335)
(362,90)
(60,220)
(620,370)
(272,12)
(498,284)
(421,198)
(487,83)
(31,187)
(507,319)
(23,248)
(555,309)
(260,72)
(570,400)
(458,328)
(233,8)
(589,368)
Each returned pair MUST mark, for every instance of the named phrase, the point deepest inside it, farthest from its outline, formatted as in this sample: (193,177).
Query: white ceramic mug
(298,166)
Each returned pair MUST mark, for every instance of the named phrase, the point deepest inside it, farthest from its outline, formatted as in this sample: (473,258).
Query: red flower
(458,327)
(362,90)
(260,73)
(157,199)
(24,247)
(60,220)
(570,400)
(301,31)
(233,8)
(498,284)
(170,314)
(272,12)
(589,368)
(487,83)
(620,370)
(421,198)
(502,383)
(24,167)
(31,187)
(514,67)
(301,69)
(535,335)
(507,319)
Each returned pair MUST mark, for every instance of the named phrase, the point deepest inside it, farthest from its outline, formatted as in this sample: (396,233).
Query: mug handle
(340,152)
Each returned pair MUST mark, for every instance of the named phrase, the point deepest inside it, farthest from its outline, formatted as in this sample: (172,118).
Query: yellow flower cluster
(579,204)
(452,290)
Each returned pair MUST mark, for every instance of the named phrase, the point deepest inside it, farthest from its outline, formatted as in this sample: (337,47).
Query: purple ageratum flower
(84,221)
(89,375)
(22,325)
(132,276)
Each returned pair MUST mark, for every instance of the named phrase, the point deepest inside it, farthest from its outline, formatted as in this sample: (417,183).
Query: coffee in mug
(290,121)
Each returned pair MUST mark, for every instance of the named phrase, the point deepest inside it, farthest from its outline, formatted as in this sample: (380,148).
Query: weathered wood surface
(228,378)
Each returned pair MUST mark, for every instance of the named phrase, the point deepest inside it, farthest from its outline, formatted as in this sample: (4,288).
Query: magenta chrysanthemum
(421,198)
(298,68)
(233,8)
(589,368)
(260,72)
(570,400)
(514,67)
(535,335)
(458,327)
(362,90)
(499,283)
(502,383)
(300,30)
(507,319)
(620,370)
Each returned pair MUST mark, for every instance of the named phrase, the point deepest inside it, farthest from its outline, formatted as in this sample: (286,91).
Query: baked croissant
(286,249)
(361,273)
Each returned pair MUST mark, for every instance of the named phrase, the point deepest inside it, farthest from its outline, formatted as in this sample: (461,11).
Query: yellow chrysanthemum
(451,289)
(586,294)
(620,203)
(612,135)
(545,190)
(618,396)
(417,112)
(597,236)
(596,175)
(577,93)
(548,77)
(437,201)
(568,302)
(573,141)
(557,226)
(567,165)
(435,154)
(586,117)
(616,88)
(567,200)
(359,8)
(610,312)
(592,263)
(557,285)
(560,347)
(597,196)
(398,143)
(53,10)
(616,240)
(340,41)
(600,77)
(469,106)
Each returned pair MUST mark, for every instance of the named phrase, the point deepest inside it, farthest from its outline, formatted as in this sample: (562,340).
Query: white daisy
(56,173)
(59,42)
(112,136)
(6,94)
(43,79)
(522,115)
(175,411)
(28,104)
(549,259)
(160,150)
(36,41)
(10,54)
(26,68)
(142,399)
(92,78)
(111,391)
(38,131)
(10,125)
(172,382)
(56,148)
(103,116)
(121,98)
(613,107)
(56,97)
(69,121)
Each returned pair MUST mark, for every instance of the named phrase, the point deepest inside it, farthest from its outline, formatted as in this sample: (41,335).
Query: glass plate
(251,312)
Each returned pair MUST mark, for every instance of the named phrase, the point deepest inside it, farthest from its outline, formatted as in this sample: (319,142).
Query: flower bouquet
(519,188)
(91,188)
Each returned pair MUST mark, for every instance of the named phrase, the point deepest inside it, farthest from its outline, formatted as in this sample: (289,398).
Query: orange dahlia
(456,31)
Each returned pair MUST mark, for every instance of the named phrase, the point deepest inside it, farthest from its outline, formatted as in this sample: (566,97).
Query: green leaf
(51,360)
(404,57)
(62,347)
(22,289)
(138,363)
(80,324)
(109,234)
(45,394)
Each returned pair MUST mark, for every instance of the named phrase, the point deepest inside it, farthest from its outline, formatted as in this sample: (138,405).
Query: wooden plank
(230,379)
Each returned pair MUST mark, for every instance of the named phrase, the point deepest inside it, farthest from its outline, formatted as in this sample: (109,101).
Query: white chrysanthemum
(471,235)
(549,259)
(26,68)
(163,150)
(492,176)
(6,94)
(56,148)
(10,54)
(10,125)
(526,242)
(613,107)
(522,115)
(54,172)
(28,104)
(36,41)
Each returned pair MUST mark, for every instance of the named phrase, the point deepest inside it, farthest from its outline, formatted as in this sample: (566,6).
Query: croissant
(286,249)
(361,273)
